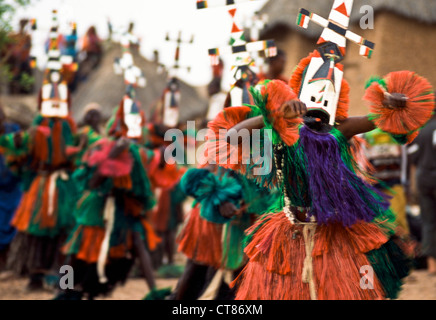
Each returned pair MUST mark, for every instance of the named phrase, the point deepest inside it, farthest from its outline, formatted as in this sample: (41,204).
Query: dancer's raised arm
(289,110)
(356,125)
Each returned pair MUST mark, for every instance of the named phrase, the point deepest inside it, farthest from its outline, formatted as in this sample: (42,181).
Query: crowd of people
(80,56)
(105,199)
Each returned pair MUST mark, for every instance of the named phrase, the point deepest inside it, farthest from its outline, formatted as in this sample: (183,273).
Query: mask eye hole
(313,99)
(326,103)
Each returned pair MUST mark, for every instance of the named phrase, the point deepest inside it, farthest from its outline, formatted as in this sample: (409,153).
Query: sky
(153,20)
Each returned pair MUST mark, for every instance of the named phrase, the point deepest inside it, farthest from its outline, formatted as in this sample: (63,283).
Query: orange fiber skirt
(200,240)
(277,253)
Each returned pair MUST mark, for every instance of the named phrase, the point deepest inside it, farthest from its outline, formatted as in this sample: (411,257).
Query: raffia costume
(332,225)
(108,214)
(46,154)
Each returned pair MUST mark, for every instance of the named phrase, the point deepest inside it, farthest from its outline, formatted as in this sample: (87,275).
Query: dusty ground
(134,289)
(418,286)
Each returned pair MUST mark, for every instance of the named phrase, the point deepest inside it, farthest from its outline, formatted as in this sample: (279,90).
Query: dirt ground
(418,286)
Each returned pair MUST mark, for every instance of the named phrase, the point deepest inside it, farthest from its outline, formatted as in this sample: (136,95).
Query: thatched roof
(284,12)
(107,89)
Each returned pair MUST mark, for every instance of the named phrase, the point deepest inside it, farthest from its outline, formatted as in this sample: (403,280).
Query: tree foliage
(7,11)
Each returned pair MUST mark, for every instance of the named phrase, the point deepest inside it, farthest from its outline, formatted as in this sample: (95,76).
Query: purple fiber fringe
(337,193)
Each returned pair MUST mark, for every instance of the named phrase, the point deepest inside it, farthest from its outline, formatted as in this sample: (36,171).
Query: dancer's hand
(394,100)
(228,210)
(293,109)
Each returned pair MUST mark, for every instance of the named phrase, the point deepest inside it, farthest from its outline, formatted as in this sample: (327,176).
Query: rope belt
(309,243)
(109,218)
(309,229)
(52,189)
